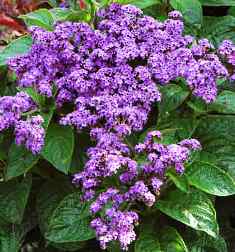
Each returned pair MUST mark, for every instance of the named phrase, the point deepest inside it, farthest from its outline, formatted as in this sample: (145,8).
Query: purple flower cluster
(12,107)
(143,184)
(30,132)
(120,227)
(110,75)
(227,51)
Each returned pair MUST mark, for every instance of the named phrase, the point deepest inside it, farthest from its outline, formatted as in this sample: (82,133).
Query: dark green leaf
(12,235)
(41,18)
(180,181)
(197,105)
(217,29)
(19,161)
(208,177)
(171,241)
(225,103)
(231,11)
(147,242)
(16,47)
(167,240)
(10,240)
(217,136)
(49,197)
(13,199)
(191,10)
(183,124)
(193,209)
(69,246)
(201,242)
(58,149)
(172,97)
(70,221)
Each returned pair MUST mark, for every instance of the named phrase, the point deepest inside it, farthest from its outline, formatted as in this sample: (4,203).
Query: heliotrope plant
(105,78)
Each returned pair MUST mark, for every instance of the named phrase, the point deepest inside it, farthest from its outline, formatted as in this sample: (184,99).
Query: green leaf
(231,11)
(12,235)
(53,3)
(17,47)
(191,10)
(41,18)
(200,242)
(217,136)
(70,221)
(19,161)
(184,124)
(217,29)
(10,239)
(49,197)
(36,97)
(59,145)
(140,3)
(193,209)
(172,97)
(147,242)
(225,103)
(180,181)
(60,14)
(167,240)
(171,241)
(13,199)
(218,2)
(47,115)
(208,177)
(68,246)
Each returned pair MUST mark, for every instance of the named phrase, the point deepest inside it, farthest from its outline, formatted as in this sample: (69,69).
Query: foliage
(181,210)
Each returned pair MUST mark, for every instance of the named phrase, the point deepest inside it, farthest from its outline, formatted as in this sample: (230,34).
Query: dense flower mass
(227,51)
(12,107)
(142,183)
(111,75)
(29,132)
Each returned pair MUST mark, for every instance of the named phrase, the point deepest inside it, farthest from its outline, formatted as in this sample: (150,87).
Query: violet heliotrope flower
(143,187)
(227,51)
(12,107)
(110,75)
(30,133)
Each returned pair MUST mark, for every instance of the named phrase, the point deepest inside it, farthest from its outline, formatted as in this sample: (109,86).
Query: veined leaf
(225,103)
(17,47)
(58,149)
(172,97)
(13,199)
(20,161)
(191,10)
(208,177)
(41,18)
(70,221)
(193,209)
